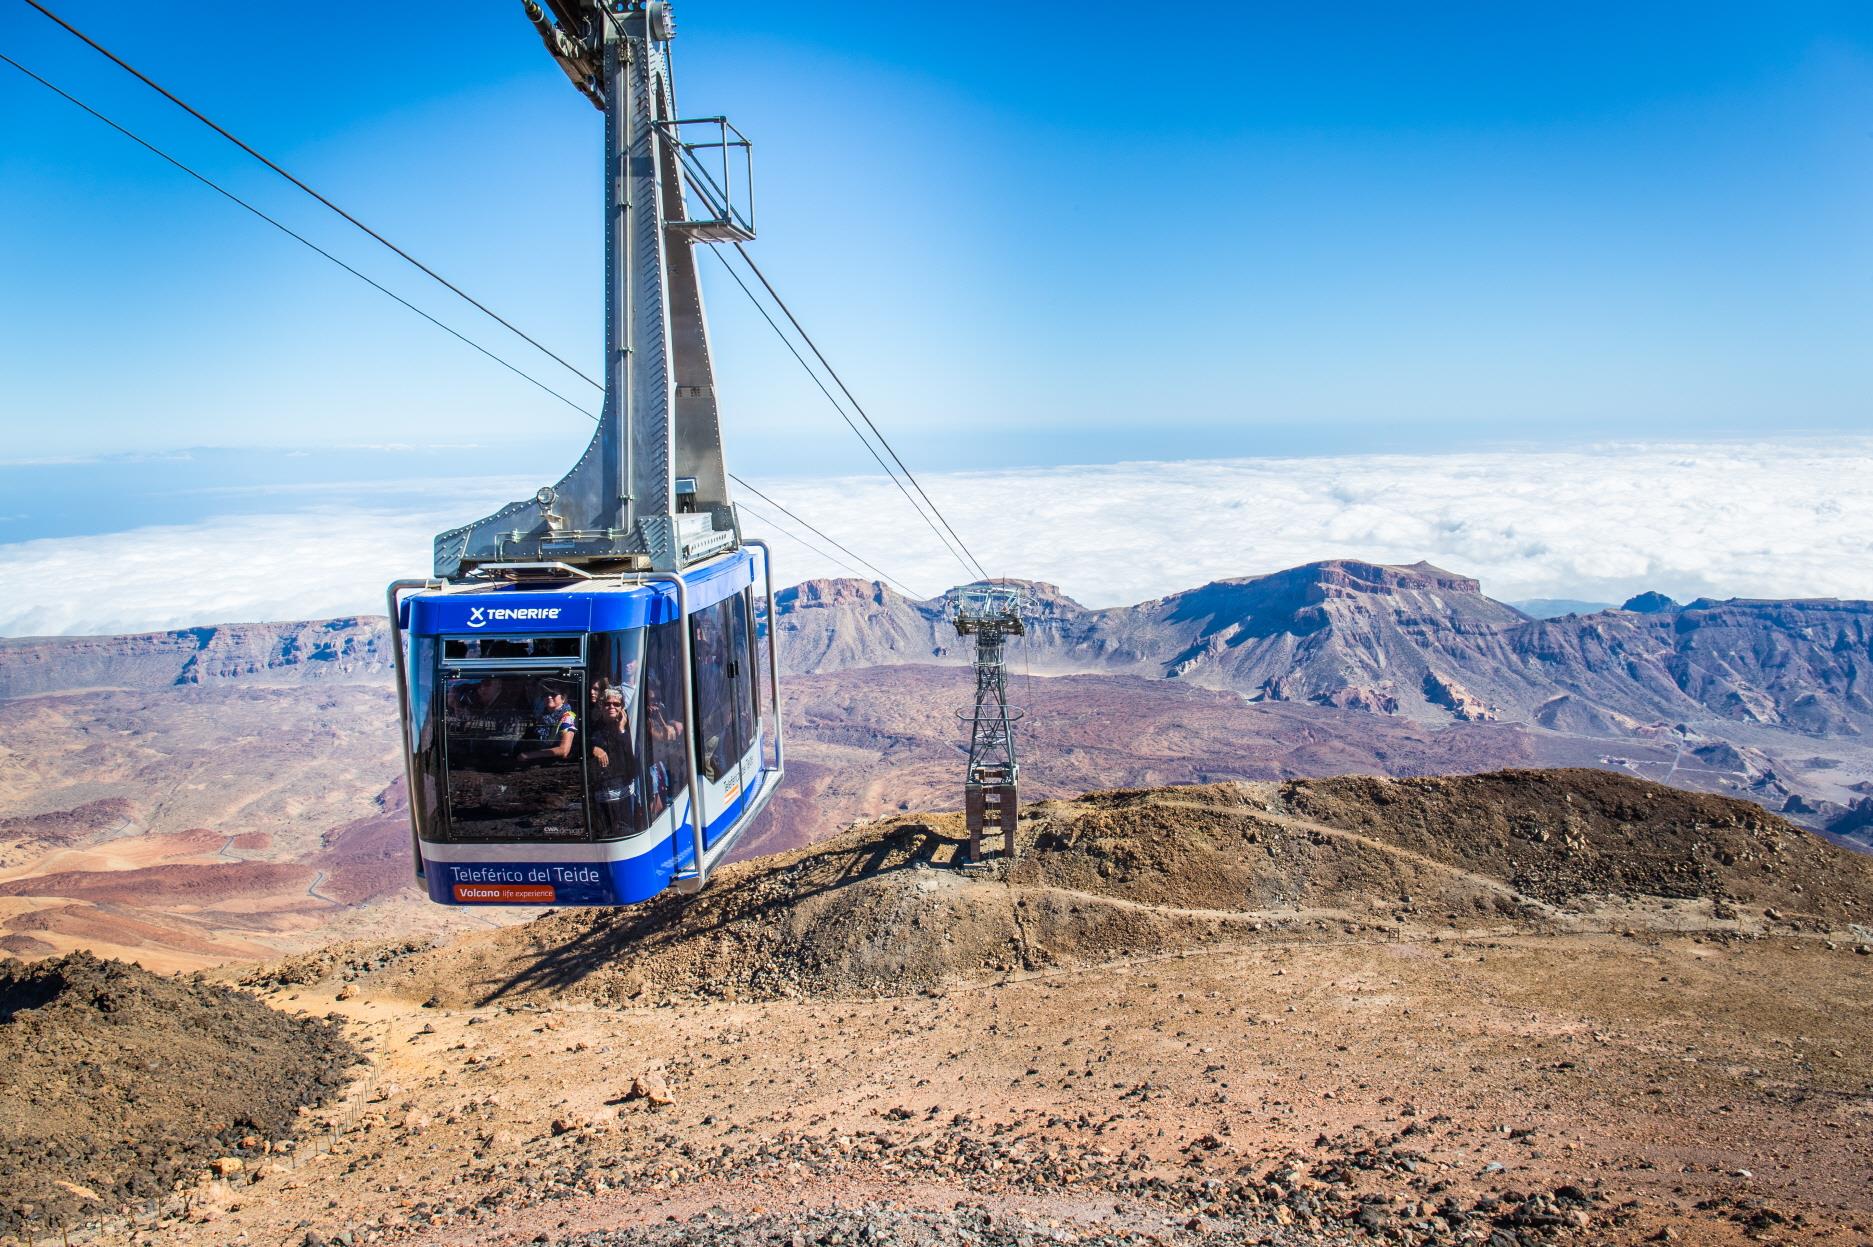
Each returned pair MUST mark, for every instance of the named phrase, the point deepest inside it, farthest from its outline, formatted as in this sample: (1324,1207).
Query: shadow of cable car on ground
(746,904)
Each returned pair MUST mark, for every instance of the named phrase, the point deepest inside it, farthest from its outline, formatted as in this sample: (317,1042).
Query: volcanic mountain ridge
(1414,641)
(1417,641)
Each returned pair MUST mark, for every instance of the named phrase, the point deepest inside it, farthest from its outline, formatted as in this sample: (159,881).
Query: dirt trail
(1312,827)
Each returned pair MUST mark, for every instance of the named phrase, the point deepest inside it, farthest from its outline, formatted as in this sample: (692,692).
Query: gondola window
(515,758)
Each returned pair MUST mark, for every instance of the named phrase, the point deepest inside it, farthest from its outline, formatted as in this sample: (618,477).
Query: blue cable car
(585,719)
(589,741)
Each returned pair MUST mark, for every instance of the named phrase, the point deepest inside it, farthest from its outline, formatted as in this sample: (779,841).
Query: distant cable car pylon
(991,613)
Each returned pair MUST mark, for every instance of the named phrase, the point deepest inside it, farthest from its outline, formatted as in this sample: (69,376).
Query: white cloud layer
(304,565)
(1761,519)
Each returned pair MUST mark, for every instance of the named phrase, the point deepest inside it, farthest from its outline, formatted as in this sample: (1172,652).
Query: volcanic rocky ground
(1522,1007)
(188,797)
(115,1083)
(1517,1007)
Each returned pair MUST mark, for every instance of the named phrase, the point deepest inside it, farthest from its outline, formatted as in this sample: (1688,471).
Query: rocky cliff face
(836,625)
(1416,641)
(1800,665)
(1340,633)
(341,649)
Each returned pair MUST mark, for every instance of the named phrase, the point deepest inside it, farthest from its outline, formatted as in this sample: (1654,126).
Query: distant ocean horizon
(189,537)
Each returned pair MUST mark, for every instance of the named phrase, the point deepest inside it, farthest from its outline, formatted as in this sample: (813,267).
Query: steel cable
(196,113)
(952,541)
(299,238)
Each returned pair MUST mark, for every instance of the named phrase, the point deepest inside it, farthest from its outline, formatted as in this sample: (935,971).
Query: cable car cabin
(589,741)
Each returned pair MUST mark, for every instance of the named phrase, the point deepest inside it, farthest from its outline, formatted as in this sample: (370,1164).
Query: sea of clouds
(1756,519)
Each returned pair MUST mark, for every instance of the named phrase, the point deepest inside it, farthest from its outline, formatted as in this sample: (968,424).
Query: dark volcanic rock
(1651,602)
(115,1081)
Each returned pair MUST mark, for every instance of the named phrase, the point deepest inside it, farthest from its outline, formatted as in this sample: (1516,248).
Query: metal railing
(727,220)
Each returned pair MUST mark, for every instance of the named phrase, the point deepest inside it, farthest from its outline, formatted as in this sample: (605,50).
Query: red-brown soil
(1563,837)
(114,1082)
(60,827)
(1147,872)
(317,812)
(165,886)
(1311,1012)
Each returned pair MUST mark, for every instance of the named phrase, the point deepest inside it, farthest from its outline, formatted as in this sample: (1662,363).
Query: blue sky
(1573,299)
(1041,234)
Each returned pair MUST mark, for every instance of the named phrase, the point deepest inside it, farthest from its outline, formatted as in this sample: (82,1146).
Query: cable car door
(722,727)
(744,686)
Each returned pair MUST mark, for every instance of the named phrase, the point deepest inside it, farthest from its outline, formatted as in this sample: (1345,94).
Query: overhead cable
(223,191)
(843,389)
(290,233)
(883,466)
(952,541)
(706,183)
(970,563)
(788,533)
(196,113)
(796,519)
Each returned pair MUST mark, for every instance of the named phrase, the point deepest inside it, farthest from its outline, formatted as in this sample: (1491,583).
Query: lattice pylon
(990,614)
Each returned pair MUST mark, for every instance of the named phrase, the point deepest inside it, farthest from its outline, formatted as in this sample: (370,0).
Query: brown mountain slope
(1564,837)
(314,650)
(1119,875)
(867,742)
(1414,640)
(255,785)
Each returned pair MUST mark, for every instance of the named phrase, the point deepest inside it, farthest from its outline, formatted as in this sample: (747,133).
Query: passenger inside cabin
(657,722)
(488,695)
(559,724)
(665,744)
(614,765)
(712,693)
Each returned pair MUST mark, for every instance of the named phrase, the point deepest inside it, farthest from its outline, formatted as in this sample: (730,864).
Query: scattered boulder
(652,1088)
(1441,690)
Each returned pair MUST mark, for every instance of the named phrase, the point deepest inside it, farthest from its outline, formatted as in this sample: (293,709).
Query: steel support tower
(991,614)
(650,493)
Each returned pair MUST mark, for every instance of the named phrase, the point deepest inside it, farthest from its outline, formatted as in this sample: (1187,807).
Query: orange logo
(506,893)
